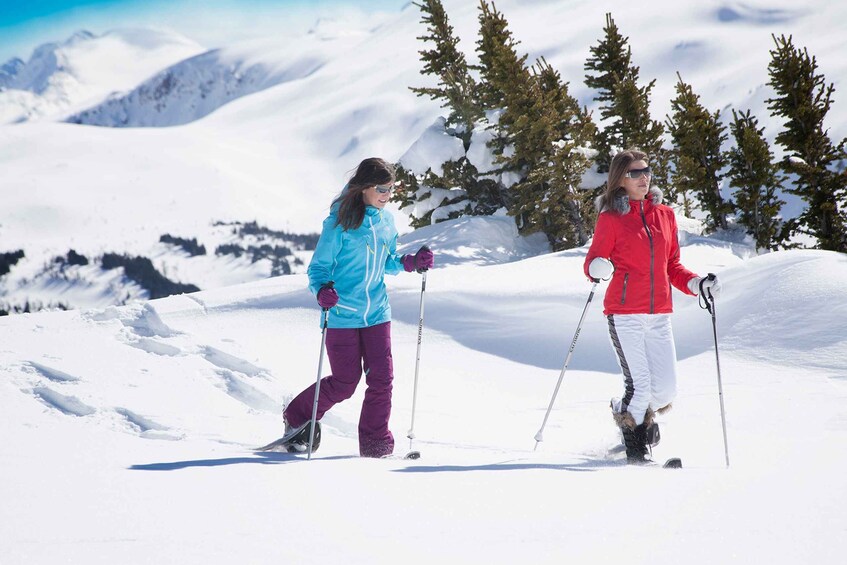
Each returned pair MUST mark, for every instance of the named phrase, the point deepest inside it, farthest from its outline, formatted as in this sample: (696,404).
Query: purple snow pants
(348,350)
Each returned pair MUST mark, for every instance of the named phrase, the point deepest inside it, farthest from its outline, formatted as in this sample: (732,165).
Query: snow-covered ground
(127,433)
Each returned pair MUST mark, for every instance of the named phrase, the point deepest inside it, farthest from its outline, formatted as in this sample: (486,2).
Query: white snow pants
(646,352)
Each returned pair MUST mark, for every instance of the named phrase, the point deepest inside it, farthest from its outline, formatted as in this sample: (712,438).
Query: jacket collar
(623,205)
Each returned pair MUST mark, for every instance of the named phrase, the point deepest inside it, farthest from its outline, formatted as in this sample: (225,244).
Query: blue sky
(17,13)
(25,24)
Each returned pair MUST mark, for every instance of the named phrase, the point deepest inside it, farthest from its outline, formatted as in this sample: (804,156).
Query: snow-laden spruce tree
(757,180)
(697,137)
(625,120)
(803,99)
(457,89)
(553,136)
(505,81)
(458,188)
(542,136)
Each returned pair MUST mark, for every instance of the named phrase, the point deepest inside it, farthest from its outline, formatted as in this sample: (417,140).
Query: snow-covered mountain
(198,86)
(133,187)
(75,73)
(9,71)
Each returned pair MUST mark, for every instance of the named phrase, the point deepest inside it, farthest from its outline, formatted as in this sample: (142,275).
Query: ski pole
(706,294)
(325,313)
(411,434)
(539,437)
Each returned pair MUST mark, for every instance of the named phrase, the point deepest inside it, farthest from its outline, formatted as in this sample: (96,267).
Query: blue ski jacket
(357,261)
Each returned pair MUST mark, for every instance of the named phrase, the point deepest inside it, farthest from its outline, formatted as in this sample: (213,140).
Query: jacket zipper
(369,274)
(623,294)
(652,256)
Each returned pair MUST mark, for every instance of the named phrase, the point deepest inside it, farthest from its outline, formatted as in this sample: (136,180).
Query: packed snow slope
(128,433)
(329,96)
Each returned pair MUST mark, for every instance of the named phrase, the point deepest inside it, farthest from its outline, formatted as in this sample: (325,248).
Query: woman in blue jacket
(357,247)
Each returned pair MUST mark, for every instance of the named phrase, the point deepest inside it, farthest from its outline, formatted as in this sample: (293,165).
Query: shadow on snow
(588,465)
(258,459)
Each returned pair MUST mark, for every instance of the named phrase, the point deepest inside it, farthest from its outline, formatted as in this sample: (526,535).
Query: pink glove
(421,261)
(327,297)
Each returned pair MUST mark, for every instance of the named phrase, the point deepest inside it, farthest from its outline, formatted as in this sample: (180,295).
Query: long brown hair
(617,170)
(351,204)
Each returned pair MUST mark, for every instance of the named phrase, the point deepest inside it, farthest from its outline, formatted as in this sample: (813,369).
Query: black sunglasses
(638,173)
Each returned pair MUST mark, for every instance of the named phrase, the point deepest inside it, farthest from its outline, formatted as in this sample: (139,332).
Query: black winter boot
(653,435)
(635,441)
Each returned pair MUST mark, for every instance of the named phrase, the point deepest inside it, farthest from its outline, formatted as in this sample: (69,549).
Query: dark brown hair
(351,204)
(617,170)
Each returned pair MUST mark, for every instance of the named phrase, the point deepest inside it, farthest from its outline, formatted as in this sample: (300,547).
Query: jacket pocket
(623,292)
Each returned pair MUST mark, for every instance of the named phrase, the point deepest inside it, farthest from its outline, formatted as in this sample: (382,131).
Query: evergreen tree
(502,72)
(457,191)
(638,129)
(697,136)
(803,99)
(624,106)
(541,136)
(405,188)
(755,176)
(610,61)
(504,87)
(553,139)
(504,91)
(456,87)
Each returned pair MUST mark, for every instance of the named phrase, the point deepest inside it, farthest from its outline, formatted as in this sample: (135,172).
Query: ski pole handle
(705,296)
(423,248)
(704,291)
(330,285)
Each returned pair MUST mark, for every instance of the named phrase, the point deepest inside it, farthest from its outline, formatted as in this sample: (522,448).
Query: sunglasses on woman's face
(638,173)
(384,188)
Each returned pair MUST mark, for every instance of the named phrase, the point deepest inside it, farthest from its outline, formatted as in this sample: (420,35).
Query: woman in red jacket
(636,239)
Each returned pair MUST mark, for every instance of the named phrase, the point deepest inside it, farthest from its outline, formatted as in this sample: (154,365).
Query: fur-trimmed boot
(634,437)
(637,439)
(652,428)
(636,444)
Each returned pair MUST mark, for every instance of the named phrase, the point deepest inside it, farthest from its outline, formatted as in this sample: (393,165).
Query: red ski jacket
(642,244)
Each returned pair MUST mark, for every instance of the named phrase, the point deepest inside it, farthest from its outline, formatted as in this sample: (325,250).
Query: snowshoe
(296,439)
(673,463)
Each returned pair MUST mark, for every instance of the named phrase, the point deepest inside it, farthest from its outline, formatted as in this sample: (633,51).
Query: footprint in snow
(68,405)
(51,374)
(231,363)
